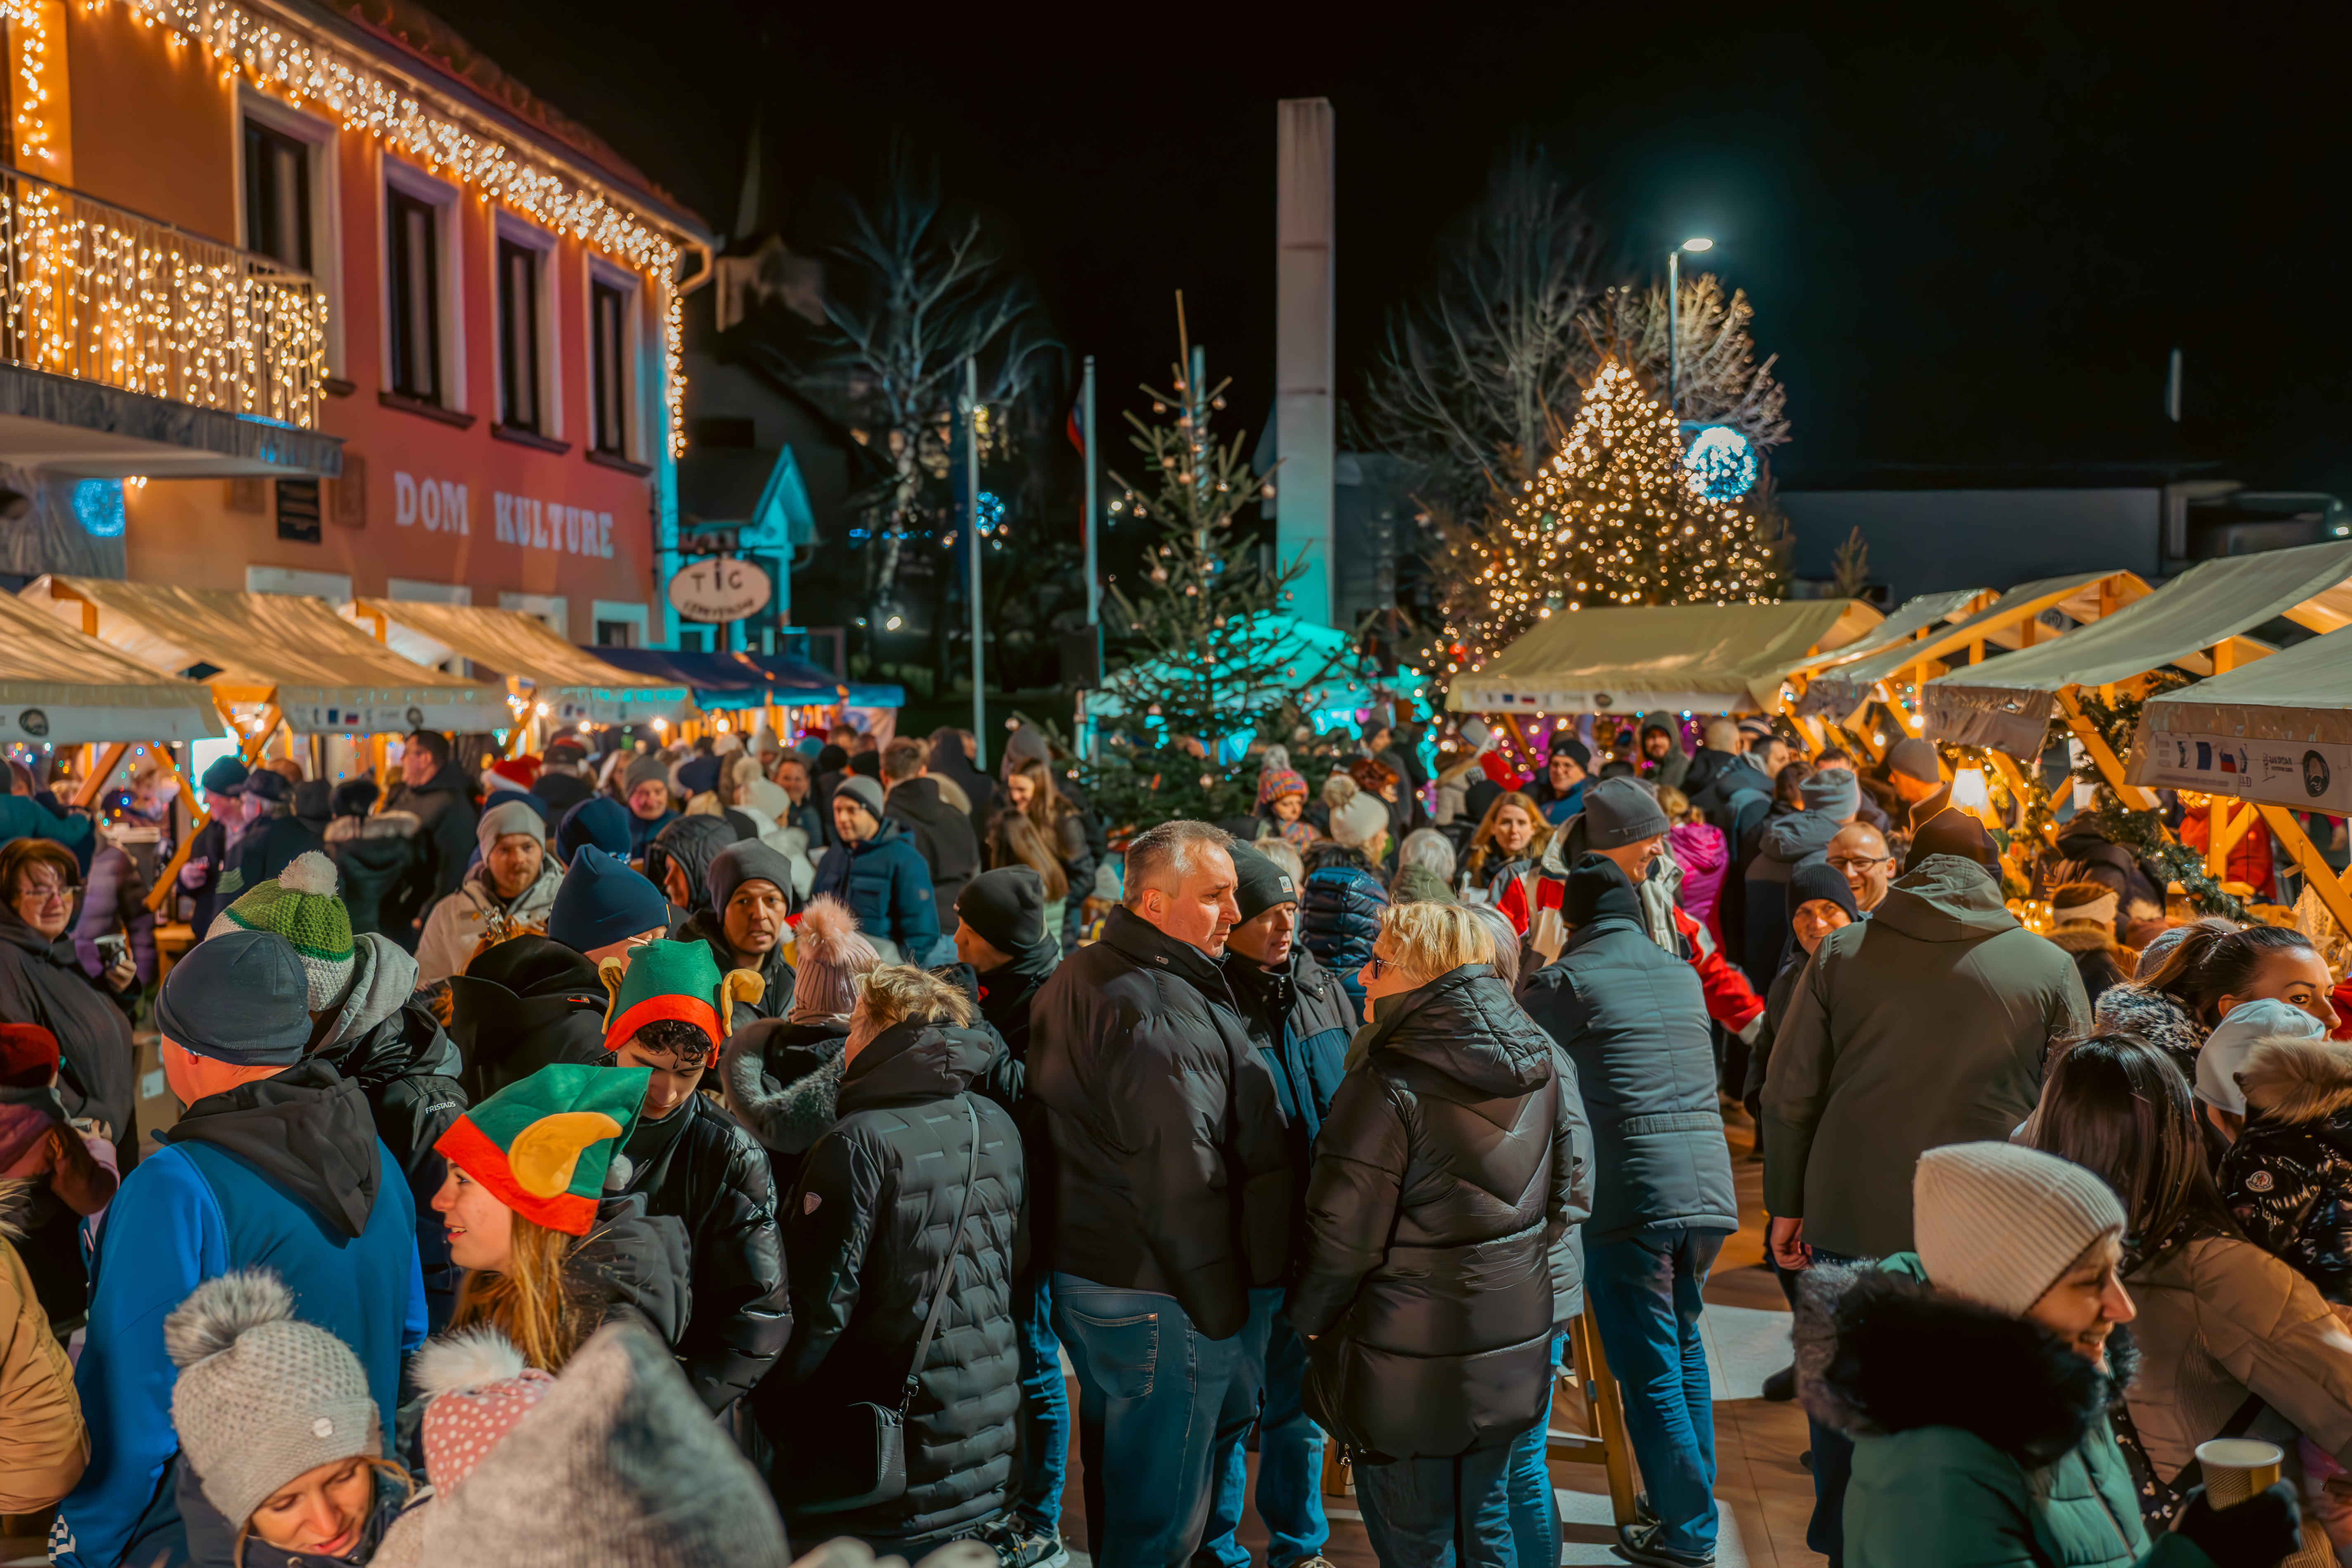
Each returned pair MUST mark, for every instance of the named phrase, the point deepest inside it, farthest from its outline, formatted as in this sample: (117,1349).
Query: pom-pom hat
(543,1145)
(675,979)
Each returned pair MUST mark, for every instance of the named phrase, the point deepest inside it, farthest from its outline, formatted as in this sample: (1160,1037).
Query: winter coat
(1528,898)
(945,838)
(947,761)
(379,857)
(1706,766)
(559,791)
(459,922)
(782,1081)
(775,1000)
(114,897)
(2084,854)
(2288,1178)
(2249,859)
(44,1443)
(1007,993)
(530,1003)
(41,981)
(712,1175)
(444,806)
(870,1225)
(643,830)
(1172,1161)
(1300,1020)
(887,884)
(22,817)
(209,895)
(1927,1024)
(1701,852)
(284,1173)
(1632,1018)
(1978,1438)
(274,843)
(2220,1318)
(1783,844)
(693,841)
(1340,914)
(2101,961)
(2156,1018)
(1437,1253)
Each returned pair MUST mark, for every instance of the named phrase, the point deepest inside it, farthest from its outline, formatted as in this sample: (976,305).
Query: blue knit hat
(240,997)
(599,820)
(601,901)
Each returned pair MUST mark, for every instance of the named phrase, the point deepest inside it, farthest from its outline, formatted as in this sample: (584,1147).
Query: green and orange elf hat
(544,1143)
(674,980)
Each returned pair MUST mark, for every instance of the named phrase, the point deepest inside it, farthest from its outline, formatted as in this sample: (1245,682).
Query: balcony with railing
(95,293)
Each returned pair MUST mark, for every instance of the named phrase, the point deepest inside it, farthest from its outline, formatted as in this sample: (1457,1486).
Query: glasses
(1382,965)
(42,892)
(1862,863)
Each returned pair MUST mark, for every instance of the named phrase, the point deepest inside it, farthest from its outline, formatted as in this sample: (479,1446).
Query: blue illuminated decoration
(97,507)
(991,512)
(1722,462)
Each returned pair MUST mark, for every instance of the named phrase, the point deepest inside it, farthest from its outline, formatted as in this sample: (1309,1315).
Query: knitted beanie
(477,1390)
(648,768)
(1276,783)
(675,979)
(2084,903)
(543,1144)
(1357,818)
(600,820)
(261,1398)
(1999,1224)
(830,956)
(299,904)
(862,790)
(511,814)
(28,1056)
(603,901)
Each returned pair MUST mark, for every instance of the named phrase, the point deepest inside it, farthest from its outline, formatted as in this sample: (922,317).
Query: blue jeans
(1535,1511)
(1643,1294)
(1157,1399)
(1441,1513)
(1289,1454)
(1045,1406)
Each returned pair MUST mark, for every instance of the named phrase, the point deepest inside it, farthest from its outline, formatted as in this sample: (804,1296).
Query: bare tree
(1717,380)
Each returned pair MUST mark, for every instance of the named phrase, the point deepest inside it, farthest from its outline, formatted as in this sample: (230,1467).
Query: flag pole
(972,533)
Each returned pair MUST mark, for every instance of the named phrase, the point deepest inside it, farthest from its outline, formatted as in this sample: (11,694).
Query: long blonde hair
(530,1303)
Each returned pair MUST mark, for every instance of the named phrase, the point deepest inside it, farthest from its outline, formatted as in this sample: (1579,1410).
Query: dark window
(277,197)
(694,639)
(608,329)
(519,336)
(616,634)
(415,299)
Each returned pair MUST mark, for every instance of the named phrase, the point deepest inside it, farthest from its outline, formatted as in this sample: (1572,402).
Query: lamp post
(1674,312)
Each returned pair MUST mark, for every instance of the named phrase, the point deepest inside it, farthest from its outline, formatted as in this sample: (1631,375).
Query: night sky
(1972,246)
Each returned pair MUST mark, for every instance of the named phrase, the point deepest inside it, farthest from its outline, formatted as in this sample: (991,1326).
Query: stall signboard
(720,588)
(2304,775)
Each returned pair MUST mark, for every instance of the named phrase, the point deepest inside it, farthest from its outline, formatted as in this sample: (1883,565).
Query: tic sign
(720,589)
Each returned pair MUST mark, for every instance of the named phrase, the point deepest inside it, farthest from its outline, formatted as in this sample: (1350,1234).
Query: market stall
(563,682)
(60,687)
(2262,740)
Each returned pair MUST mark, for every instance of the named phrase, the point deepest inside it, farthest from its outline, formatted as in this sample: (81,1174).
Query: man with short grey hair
(1170,1195)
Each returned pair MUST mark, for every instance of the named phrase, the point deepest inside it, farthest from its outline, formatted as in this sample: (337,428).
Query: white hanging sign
(720,588)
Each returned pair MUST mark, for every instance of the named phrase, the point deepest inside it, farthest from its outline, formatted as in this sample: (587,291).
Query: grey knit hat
(511,816)
(262,1398)
(648,768)
(1999,1224)
(862,790)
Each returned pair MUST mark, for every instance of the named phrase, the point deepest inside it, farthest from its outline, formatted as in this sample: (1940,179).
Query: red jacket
(2249,858)
(1731,1000)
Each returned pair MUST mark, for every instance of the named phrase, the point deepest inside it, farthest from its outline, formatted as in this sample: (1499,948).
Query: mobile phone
(113,948)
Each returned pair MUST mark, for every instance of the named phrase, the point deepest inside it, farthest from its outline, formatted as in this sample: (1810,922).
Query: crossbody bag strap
(946,1263)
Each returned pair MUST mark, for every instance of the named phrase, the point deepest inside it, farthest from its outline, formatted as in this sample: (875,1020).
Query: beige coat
(44,1444)
(2219,1320)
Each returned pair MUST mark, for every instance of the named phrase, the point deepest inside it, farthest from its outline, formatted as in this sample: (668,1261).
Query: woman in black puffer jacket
(1438,1256)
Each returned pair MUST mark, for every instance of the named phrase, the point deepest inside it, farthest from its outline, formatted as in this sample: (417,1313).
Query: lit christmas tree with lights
(1617,516)
(1216,662)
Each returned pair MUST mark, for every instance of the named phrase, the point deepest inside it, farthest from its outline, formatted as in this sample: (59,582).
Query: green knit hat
(299,904)
(674,980)
(545,1144)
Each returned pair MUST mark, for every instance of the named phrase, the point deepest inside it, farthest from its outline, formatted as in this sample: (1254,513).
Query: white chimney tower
(1305,415)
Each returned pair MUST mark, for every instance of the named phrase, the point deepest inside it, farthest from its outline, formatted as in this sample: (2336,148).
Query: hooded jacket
(444,812)
(712,1176)
(44,1443)
(2156,1018)
(378,857)
(1700,851)
(887,884)
(459,922)
(708,928)
(558,790)
(273,844)
(947,761)
(1437,1252)
(944,836)
(1339,909)
(527,1003)
(1927,1024)
(284,1173)
(1632,1018)
(1300,1020)
(2288,1178)
(42,982)
(2086,855)
(870,1225)
(115,895)
(694,842)
(1978,1437)
(782,1081)
(1171,1160)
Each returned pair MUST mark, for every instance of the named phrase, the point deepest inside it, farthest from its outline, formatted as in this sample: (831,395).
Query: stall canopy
(1915,616)
(2008,702)
(59,687)
(574,683)
(2278,730)
(726,682)
(1693,658)
(322,673)
(2011,621)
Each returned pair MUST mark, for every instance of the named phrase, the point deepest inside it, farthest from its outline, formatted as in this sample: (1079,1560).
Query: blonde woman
(1438,1255)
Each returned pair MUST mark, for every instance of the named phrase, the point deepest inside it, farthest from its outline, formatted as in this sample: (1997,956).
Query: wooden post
(2224,656)
(2320,877)
(169,878)
(2110,766)
(2217,818)
(1608,1415)
(99,771)
(1527,748)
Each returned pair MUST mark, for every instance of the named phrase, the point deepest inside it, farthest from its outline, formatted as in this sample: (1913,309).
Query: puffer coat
(1340,914)
(1438,1252)
(868,1228)
(2288,1178)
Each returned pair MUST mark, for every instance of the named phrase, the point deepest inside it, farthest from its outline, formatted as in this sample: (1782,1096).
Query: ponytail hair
(2214,959)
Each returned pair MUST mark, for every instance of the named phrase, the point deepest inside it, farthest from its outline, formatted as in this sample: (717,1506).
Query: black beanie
(1596,887)
(1006,906)
(1819,879)
(1574,750)
(1259,884)
(867,763)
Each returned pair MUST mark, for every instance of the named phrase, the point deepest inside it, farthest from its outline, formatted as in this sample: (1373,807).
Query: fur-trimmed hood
(2294,1081)
(2154,1016)
(1880,1350)
(783,1080)
(2086,936)
(382,824)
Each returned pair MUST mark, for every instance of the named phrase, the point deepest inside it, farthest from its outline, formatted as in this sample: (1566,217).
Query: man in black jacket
(943,834)
(563,781)
(1299,1019)
(1173,1193)
(442,801)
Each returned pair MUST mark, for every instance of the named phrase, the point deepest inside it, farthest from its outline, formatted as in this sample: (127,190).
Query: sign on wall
(527,522)
(720,589)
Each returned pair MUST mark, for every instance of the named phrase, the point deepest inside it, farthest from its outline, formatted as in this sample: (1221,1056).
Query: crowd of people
(708,1152)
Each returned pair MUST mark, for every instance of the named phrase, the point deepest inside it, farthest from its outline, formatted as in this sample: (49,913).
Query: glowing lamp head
(1698,243)
(1968,793)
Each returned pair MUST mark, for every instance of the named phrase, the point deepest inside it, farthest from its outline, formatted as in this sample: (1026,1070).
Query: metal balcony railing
(98,293)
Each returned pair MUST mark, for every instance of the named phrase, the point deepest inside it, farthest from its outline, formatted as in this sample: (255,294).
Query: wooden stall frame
(2110,766)
(2335,892)
(249,747)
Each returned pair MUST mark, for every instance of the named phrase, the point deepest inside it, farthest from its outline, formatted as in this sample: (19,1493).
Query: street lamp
(1696,244)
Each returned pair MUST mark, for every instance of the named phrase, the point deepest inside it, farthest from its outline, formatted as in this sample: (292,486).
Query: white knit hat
(1999,1224)
(1357,818)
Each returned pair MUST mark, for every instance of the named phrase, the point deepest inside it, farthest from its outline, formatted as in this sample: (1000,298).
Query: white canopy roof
(2278,730)
(1639,658)
(2007,703)
(574,683)
(1845,686)
(1915,616)
(60,688)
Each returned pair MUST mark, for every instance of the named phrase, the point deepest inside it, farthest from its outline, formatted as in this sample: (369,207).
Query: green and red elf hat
(545,1144)
(674,980)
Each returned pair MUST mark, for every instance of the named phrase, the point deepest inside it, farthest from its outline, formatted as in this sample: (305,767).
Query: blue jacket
(21,816)
(230,1191)
(1341,918)
(887,884)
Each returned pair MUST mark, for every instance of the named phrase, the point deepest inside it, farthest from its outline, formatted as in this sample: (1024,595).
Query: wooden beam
(2217,850)
(2317,874)
(2241,823)
(2110,766)
(101,770)
(169,878)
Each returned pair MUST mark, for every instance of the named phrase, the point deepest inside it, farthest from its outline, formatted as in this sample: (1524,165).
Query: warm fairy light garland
(302,70)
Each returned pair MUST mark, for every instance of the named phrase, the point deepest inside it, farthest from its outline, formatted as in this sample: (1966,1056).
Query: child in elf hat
(670,1011)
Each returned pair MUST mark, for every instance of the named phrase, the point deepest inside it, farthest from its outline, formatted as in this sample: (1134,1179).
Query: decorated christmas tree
(1615,517)
(1217,660)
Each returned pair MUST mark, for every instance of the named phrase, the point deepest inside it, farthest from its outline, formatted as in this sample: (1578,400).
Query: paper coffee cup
(2235,1468)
